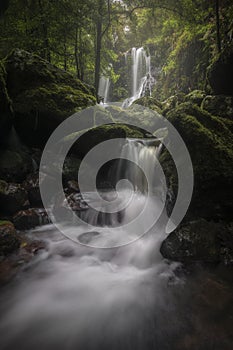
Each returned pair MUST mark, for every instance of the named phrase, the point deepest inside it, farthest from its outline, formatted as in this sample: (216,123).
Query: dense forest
(116,174)
(88,38)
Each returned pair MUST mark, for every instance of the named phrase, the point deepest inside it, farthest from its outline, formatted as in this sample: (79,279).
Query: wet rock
(9,242)
(13,197)
(219,105)
(43,95)
(194,241)
(220,73)
(14,165)
(27,219)
(73,200)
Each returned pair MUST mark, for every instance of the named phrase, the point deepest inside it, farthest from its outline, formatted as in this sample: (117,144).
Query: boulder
(14,165)
(200,241)
(193,241)
(220,73)
(210,145)
(31,185)
(13,197)
(150,102)
(30,218)
(219,105)
(9,242)
(43,95)
(6,111)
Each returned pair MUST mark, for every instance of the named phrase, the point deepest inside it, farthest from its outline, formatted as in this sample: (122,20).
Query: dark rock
(31,184)
(27,219)
(70,168)
(195,96)
(14,166)
(12,197)
(9,242)
(6,111)
(43,95)
(193,241)
(220,73)
(210,144)
(219,105)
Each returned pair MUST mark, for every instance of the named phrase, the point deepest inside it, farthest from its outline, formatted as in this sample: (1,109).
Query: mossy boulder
(172,102)
(195,96)
(220,72)
(14,166)
(43,95)
(219,105)
(210,145)
(6,111)
(150,102)
(9,242)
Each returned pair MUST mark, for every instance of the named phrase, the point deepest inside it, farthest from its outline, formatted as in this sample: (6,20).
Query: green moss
(195,96)
(4,222)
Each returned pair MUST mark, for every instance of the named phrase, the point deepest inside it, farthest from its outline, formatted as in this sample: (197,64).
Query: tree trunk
(218,35)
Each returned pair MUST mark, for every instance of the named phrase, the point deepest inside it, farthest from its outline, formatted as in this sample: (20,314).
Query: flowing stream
(73,296)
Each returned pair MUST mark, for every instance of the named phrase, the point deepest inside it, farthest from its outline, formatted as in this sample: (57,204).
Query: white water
(142,79)
(104,86)
(76,297)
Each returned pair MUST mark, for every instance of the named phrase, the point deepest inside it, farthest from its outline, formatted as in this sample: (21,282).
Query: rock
(6,111)
(14,166)
(9,242)
(30,218)
(220,73)
(13,197)
(193,241)
(195,96)
(70,168)
(172,102)
(219,105)
(150,102)
(43,95)
(31,184)
(210,144)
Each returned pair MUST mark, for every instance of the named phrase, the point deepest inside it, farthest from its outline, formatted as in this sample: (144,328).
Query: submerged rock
(43,95)
(13,197)
(9,242)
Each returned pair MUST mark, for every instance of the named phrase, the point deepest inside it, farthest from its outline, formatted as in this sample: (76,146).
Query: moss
(150,102)
(4,222)
(220,105)
(210,145)
(195,96)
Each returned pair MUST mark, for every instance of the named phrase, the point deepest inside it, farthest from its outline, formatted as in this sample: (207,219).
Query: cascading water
(104,86)
(142,79)
(78,297)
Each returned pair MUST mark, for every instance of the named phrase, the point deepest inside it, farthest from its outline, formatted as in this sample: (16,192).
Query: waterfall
(103,92)
(79,297)
(142,79)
